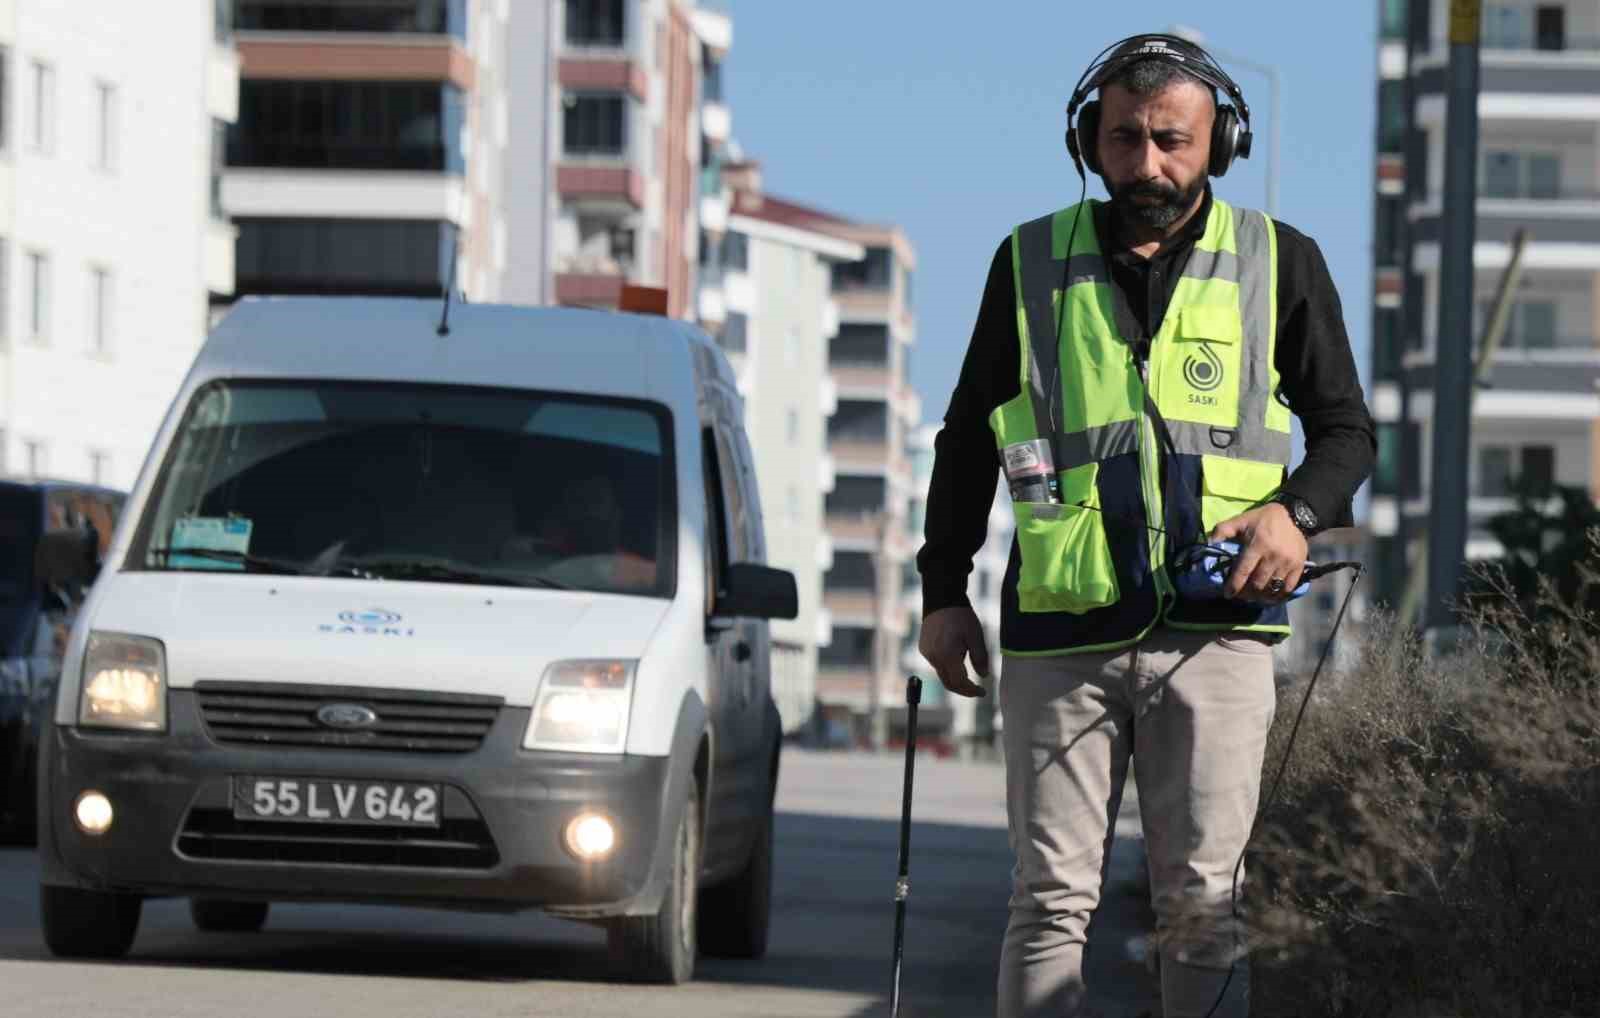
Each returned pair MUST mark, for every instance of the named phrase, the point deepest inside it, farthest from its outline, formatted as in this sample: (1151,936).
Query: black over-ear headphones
(1230,134)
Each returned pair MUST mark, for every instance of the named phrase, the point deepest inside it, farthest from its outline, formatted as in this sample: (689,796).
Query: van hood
(378,634)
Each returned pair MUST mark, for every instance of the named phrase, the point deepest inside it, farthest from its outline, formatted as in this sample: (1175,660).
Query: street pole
(1452,393)
(1274,105)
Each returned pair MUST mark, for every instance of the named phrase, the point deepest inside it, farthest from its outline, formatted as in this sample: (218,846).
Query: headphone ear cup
(1088,135)
(1224,139)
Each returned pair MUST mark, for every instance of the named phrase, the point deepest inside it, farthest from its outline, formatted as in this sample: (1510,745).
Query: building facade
(369,153)
(1536,423)
(776,255)
(113,238)
(867,511)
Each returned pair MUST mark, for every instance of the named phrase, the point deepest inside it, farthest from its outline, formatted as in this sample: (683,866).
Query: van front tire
(735,917)
(214,916)
(661,948)
(88,924)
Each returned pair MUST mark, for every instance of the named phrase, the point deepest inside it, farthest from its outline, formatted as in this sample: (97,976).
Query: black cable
(1272,794)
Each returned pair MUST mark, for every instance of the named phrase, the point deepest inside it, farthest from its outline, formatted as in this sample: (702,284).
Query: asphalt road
(829,956)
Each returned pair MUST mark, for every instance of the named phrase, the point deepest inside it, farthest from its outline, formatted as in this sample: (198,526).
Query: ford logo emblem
(370,617)
(347,716)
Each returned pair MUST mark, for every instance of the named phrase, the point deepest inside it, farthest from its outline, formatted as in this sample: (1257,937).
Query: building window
(792,426)
(595,22)
(99,466)
(219,142)
(1391,115)
(595,125)
(861,345)
(425,17)
(222,20)
(1386,341)
(710,77)
(734,336)
(735,251)
(5,98)
(36,456)
(41,128)
(1521,174)
(1494,471)
(794,504)
(851,647)
(393,257)
(857,497)
(1538,475)
(852,570)
(874,272)
(791,347)
(1530,326)
(1549,27)
(106,137)
(1392,19)
(349,125)
(100,297)
(38,295)
(859,420)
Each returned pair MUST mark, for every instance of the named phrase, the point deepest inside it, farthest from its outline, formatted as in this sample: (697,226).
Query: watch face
(1304,518)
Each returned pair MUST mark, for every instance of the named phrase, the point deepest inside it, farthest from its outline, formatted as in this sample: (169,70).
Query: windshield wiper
(258,563)
(444,572)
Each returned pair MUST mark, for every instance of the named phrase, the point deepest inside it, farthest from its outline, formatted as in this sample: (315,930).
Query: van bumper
(500,846)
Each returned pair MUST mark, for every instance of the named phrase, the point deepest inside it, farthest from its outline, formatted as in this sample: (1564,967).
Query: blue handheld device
(1203,570)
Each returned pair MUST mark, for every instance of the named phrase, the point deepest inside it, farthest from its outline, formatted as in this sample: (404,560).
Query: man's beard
(1169,207)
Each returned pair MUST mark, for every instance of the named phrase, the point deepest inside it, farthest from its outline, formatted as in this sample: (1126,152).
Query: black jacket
(1315,365)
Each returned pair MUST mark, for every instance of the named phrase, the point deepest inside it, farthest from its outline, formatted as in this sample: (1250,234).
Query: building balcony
(1391,174)
(740,291)
(848,686)
(860,453)
(852,607)
(335,57)
(616,187)
(711,304)
(714,212)
(576,288)
(827,473)
(604,74)
(318,17)
(862,379)
(716,122)
(355,194)
(857,526)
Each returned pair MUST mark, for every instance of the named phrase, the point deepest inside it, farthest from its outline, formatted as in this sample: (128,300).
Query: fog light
(591,837)
(92,811)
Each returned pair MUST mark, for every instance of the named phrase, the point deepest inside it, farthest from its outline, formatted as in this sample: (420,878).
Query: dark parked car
(35,618)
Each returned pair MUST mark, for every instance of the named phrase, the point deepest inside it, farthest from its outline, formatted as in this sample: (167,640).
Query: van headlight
(582,706)
(124,683)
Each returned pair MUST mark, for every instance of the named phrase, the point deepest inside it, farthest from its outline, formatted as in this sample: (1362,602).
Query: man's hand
(1272,548)
(949,635)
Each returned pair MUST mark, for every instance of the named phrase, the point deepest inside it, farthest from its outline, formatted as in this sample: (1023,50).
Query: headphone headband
(1172,50)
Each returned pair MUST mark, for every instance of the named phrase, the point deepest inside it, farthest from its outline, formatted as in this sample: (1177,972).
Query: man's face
(1155,149)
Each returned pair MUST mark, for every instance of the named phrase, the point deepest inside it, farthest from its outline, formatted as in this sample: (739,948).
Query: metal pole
(902,886)
(1452,394)
(1274,101)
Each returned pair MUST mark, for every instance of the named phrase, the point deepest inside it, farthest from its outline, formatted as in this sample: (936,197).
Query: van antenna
(450,284)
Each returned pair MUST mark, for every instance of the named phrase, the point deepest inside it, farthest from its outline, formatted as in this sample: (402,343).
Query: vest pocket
(1066,560)
(1230,486)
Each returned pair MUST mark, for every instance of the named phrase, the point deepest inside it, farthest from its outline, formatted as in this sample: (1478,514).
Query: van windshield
(415,482)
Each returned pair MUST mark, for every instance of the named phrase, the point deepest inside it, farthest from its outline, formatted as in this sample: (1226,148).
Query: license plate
(315,800)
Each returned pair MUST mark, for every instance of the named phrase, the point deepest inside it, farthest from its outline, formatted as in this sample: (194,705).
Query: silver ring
(1276,586)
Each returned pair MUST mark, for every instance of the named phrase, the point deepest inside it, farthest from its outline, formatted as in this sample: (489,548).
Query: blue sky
(948,120)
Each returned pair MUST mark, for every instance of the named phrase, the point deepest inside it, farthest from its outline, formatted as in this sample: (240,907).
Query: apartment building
(535,152)
(637,123)
(1537,421)
(766,294)
(867,510)
(369,153)
(113,240)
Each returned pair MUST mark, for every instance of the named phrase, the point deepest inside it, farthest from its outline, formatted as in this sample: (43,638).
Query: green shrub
(1435,848)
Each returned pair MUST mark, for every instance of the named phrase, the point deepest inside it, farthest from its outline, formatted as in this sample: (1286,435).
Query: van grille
(456,844)
(280,714)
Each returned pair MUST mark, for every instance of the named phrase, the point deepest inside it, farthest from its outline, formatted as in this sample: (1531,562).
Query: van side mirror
(761,592)
(67,556)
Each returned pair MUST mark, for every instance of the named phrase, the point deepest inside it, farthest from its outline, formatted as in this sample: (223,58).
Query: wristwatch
(1301,513)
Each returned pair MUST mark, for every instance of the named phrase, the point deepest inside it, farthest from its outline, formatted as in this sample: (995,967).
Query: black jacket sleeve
(1317,373)
(965,466)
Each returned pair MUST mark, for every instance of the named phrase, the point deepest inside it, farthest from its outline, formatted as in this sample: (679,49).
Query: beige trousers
(1193,709)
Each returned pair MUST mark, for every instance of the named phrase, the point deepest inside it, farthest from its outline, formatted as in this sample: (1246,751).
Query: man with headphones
(1134,369)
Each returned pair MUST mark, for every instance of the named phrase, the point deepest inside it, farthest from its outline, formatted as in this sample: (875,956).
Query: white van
(470,620)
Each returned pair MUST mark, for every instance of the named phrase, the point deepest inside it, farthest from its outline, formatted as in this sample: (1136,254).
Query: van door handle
(741,651)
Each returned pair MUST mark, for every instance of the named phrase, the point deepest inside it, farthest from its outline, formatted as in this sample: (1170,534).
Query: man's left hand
(1272,548)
